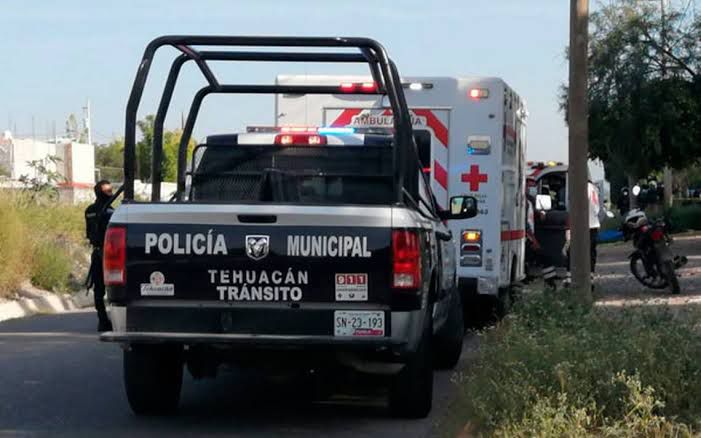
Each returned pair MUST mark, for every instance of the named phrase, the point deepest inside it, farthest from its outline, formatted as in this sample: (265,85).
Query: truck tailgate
(257,254)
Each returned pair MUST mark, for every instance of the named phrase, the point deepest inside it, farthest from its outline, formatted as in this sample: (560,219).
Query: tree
(143,148)
(110,155)
(171,144)
(644,87)
(74,132)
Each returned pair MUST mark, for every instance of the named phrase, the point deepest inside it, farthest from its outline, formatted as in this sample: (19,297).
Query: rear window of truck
(292,174)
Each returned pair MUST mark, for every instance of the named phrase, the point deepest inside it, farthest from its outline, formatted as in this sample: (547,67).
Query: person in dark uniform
(97,216)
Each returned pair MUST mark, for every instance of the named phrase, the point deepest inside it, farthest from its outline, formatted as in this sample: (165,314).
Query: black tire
(671,275)
(656,282)
(448,343)
(411,390)
(153,377)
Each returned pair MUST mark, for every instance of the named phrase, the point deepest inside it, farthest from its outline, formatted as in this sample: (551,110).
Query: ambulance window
(423,146)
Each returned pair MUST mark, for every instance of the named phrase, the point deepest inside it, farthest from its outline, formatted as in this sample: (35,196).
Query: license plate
(358,323)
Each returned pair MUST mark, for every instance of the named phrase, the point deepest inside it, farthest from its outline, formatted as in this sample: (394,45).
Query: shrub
(687,217)
(554,364)
(51,266)
(38,242)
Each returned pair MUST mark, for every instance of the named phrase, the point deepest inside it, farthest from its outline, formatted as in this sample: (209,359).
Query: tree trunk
(668,188)
(580,261)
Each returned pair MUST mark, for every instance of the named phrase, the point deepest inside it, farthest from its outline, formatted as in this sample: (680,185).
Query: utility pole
(667,178)
(580,262)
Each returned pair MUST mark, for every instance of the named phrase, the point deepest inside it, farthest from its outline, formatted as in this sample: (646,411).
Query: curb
(34,301)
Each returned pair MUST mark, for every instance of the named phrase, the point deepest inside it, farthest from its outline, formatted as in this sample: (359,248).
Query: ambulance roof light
(417,86)
(478,93)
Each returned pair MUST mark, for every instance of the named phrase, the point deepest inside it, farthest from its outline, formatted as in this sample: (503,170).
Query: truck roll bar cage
(382,69)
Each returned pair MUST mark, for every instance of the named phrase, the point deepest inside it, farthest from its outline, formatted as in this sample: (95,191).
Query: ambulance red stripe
(346,117)
(440,174)
(512,234)
(439,129)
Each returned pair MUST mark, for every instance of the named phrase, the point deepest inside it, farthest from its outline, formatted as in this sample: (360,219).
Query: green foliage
(51,266)
(556,366)
(685,217)
(41,187)
(110,155)
(171,144)
(143,148)
(559,418)
(644,87)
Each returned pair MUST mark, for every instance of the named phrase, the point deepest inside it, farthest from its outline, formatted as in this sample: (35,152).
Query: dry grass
(37,242)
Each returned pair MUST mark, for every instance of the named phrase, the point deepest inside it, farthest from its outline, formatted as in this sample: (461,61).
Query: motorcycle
(652,262)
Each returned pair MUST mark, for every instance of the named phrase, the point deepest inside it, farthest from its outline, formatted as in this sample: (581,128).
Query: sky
(58,54)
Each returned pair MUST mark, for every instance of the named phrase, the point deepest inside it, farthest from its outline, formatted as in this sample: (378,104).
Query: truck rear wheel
(448,344)
(411,391)
(153,377)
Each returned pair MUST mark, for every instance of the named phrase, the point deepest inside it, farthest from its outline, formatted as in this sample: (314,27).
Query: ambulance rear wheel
(153,377)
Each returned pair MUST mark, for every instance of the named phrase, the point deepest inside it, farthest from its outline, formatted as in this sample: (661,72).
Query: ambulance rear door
(431,128)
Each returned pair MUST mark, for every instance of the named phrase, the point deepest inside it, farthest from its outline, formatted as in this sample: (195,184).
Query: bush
(686,217)
(554,365)
(15,248)
(38,242)
(51,266)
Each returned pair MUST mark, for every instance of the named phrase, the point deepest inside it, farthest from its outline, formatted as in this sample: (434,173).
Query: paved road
(617,285)
(57,379)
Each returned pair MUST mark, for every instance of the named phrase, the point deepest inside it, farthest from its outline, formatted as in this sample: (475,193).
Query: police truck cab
(297,248)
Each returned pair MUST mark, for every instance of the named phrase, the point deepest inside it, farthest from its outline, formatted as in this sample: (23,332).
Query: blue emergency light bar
(332,130)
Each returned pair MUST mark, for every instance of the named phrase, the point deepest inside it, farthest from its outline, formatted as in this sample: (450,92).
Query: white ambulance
(471,138)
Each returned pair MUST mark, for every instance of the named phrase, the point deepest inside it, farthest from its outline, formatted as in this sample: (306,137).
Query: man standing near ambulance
(594,225)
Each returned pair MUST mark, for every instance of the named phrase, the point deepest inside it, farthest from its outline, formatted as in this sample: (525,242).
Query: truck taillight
(406,259)
(300,139)
(115,256)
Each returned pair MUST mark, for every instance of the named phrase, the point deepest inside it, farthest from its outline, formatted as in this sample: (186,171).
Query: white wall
(81,166)
(77,163)
(24,150)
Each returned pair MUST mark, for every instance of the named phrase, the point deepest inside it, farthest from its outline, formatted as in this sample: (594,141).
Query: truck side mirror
(461,207)
(543,202)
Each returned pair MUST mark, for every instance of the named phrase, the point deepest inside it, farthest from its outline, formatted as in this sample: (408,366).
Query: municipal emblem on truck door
(257,246)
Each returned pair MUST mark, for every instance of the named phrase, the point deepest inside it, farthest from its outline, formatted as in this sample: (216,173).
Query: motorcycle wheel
(668,270)
(637,268)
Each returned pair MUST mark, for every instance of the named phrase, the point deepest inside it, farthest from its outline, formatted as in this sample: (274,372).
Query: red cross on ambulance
(474,178)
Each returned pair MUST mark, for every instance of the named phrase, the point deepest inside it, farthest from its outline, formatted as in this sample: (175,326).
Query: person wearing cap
(97,216)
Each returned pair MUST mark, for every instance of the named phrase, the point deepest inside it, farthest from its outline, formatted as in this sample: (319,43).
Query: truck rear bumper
(195,325)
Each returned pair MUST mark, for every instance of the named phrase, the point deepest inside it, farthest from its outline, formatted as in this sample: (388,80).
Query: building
(76,165)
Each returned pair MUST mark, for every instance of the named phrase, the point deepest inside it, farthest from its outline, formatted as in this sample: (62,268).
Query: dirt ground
(616,285)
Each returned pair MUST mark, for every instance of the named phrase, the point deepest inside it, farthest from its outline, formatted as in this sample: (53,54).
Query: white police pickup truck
(305,248)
